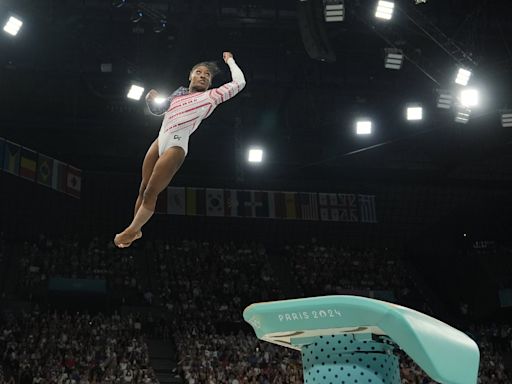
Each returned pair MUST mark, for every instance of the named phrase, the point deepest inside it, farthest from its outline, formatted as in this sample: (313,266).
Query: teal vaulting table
(350,339)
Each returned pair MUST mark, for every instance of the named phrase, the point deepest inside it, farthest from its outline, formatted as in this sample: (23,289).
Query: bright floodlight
(445,99)
(255,155)
(469,97)
(462,116)
(13,26)
(364,127)
(394,58)
(414,113)
(135,92)
(463,76)
(160,100)
(385,10)
(334,10)
(506,120)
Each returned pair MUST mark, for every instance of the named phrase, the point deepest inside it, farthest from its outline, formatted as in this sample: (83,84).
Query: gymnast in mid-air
(183,112)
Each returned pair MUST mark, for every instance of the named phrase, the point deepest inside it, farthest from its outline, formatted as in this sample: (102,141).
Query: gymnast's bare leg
(147,169)
(164,169)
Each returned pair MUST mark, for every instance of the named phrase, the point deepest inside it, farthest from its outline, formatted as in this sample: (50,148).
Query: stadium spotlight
(135,92)
(13,26)
(255,155)
(463,115)
(385,10)
(506,119)
(364,127)
(445,99)
(394,58)
(463,76)
(469,97)
(334,10)
(414,112)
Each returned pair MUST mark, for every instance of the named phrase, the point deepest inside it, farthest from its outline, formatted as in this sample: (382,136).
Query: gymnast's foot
(126,238)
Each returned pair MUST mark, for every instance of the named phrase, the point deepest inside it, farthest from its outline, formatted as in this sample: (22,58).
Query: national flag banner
(74,181)
(44,170)
(196,201)
(176,200)
(2,152)
(244,204)
(261,204)
(12,157)
(28,164)
(277,205)
(308,205)
(328,203)
(283,205)
(59,175)
(348,209)
(367,209)
(230,203)
(253,204)
(291,205)
(214,202)
(338,207)
(161,203)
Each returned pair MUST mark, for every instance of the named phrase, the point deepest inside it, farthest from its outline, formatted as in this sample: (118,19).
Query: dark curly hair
(211,65)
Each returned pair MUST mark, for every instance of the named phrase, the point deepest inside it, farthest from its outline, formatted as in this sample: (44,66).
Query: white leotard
(186,110)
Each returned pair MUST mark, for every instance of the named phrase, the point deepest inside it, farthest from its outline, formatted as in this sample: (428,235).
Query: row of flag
(31,165)
(342,207)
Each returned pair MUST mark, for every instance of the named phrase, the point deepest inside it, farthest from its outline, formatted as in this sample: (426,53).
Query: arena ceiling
(56,100)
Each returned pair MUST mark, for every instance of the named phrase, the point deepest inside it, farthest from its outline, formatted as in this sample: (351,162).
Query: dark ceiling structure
(57,99)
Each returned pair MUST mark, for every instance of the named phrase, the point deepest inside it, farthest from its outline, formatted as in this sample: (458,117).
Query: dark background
(435,181)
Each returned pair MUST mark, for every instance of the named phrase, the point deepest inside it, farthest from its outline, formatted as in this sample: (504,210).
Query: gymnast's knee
(149,197)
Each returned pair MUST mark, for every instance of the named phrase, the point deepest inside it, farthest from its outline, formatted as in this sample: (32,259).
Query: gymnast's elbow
(241,83)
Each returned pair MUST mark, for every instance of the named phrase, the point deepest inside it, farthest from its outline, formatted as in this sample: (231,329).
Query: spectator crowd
(202,287)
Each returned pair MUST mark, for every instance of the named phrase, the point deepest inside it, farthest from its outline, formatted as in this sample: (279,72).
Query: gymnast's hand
(226,56)
(152,94)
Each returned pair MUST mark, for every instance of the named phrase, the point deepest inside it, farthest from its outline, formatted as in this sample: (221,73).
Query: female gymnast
(184,110)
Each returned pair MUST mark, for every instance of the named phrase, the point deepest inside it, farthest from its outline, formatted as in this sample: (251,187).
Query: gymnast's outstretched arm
(228,90)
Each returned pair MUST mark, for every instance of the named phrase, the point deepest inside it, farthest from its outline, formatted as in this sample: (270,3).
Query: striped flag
(12,157)
(284,205)
(308,203)
(44,170)
(367,211)
(196,200)
(176,200)
(59,175)
(28,164)
(291,205)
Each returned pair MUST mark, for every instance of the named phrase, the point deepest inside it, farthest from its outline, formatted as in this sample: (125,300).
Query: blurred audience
(202,287)
(73,348)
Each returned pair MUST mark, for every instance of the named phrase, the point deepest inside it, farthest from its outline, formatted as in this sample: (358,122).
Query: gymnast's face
(200,79)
